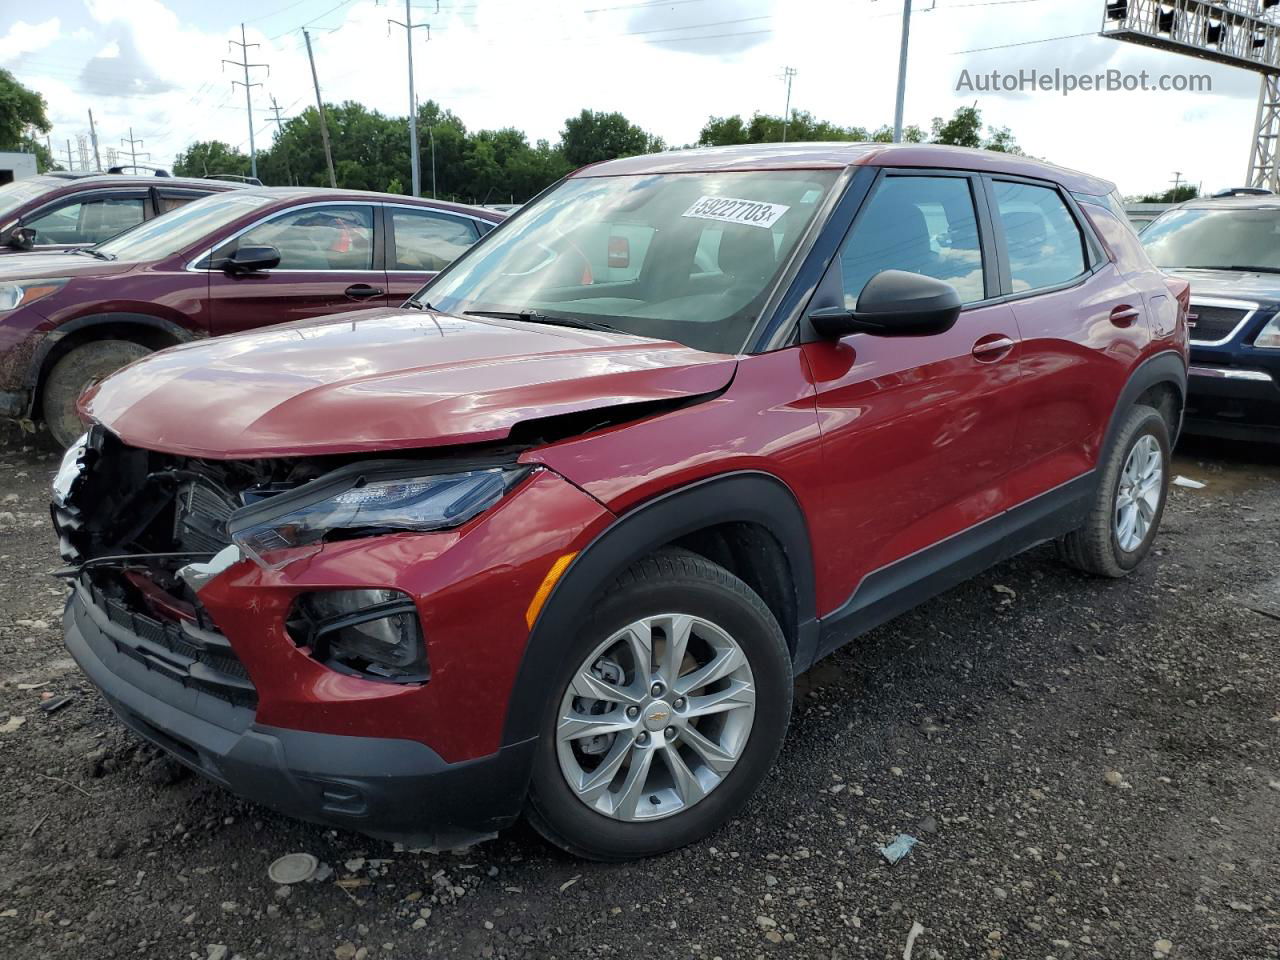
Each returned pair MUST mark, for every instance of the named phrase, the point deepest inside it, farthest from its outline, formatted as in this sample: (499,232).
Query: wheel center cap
(656,716)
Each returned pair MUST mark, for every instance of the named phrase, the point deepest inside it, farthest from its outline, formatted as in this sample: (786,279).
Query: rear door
(917,432)
(420,243)
(327,257)
(1082,326)
(80,220)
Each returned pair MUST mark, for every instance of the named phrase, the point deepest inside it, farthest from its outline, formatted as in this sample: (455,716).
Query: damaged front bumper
(391,789)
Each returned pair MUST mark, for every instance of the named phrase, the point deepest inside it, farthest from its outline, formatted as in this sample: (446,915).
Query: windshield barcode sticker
(753,213)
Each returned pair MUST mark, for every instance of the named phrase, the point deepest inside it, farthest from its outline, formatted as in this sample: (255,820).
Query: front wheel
(1132,490)
(669,712)
(75,372)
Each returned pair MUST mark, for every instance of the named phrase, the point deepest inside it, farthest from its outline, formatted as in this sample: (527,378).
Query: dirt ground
(1092,770)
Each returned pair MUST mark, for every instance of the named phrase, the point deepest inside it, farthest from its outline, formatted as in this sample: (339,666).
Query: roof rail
(1242,192)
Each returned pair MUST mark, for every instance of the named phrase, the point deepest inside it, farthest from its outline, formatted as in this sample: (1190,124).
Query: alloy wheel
(655,718)
(1139,493)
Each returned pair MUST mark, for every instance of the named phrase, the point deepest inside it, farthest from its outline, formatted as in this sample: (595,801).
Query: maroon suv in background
(222,264)
(62,210)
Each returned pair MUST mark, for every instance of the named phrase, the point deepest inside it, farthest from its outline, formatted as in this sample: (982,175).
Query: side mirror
(250,260)
(22,238)
(894,303)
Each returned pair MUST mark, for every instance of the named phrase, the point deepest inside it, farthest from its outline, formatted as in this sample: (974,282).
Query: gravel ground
(1092,770)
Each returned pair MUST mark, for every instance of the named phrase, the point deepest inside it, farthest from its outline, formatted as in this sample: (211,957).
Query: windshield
(689,257)
(18,194)
(1215,239)
(166,235)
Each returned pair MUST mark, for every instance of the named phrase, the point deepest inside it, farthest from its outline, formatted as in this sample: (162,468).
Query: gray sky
(667,64)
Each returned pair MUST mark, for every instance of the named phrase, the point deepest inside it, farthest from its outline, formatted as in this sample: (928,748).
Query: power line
(133,143)
(1025,43)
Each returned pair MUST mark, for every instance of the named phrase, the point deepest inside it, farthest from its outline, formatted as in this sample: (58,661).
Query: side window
(925,225)
(172,201)
(429,241)
(87,221)
(1046,247)
(315,238)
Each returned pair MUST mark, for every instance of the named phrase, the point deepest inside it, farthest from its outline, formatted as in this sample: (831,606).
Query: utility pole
(1177,182)
(431,132)
(275,107)
(324,127)
(787,74)
(902,72)
(93,135)
(248,98)
(70,163)
(409,27)
(133,144)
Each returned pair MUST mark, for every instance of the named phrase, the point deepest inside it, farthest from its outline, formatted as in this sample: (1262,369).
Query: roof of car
(328,193)
(1267,202)
(838,155)
(62,178)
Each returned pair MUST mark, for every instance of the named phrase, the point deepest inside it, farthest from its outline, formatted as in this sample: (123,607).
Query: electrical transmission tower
(248,89)
(409,27)
(132,143)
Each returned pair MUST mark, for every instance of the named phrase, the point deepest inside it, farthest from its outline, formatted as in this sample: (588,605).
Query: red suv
(556,537)
(222,264)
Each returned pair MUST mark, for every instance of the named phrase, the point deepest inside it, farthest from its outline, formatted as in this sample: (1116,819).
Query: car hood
(36,266)
(1250,285)
(384,380)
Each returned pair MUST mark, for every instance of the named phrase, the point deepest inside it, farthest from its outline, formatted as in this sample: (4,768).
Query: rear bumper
(1241,403)
(392,789)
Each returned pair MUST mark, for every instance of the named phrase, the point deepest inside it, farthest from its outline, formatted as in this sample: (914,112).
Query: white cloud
(26,37)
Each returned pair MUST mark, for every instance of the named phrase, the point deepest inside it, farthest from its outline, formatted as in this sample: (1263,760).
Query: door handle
(992,347)
(1124,315)
(362,291)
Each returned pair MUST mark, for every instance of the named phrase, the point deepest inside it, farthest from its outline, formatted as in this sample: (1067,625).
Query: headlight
(366,499)
(19,293)
(1269,338)
(375,633)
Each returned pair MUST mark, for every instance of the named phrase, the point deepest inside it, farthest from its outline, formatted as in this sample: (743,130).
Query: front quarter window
(689,257)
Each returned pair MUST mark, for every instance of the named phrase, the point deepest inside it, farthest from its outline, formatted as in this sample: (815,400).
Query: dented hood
(384,380)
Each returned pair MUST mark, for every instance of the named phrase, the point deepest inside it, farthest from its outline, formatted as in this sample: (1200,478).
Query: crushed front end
(358,677)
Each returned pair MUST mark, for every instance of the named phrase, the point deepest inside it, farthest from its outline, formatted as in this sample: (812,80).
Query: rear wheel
(667,715)
(1129,505)
(79,369)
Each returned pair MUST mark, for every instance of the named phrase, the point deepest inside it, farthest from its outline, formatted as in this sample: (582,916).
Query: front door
(327,256)
(916,431)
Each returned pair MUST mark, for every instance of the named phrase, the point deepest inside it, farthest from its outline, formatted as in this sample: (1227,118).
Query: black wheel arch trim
(739,497)
(1167,367)
(55,336)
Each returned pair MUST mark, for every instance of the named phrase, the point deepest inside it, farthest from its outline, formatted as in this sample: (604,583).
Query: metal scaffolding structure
(1238,33)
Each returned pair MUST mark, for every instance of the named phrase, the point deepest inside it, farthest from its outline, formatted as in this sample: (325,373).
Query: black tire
(81,367)
(1094,546)
(681,582)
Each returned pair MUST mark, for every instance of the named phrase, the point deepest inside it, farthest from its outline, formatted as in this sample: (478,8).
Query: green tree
(964,129)
(803,126)
(23,115)
(591,137)
(205,157)
(1179,195)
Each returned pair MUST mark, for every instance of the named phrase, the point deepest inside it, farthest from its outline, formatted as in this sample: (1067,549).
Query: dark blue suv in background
(1230,251)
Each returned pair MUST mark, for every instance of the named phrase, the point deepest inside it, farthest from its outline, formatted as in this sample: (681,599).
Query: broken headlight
(366,500)
(375,633)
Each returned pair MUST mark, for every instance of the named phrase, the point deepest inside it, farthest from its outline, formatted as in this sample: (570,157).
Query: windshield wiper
(95,253)
(416,305)
(533,316)
(1236,267)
